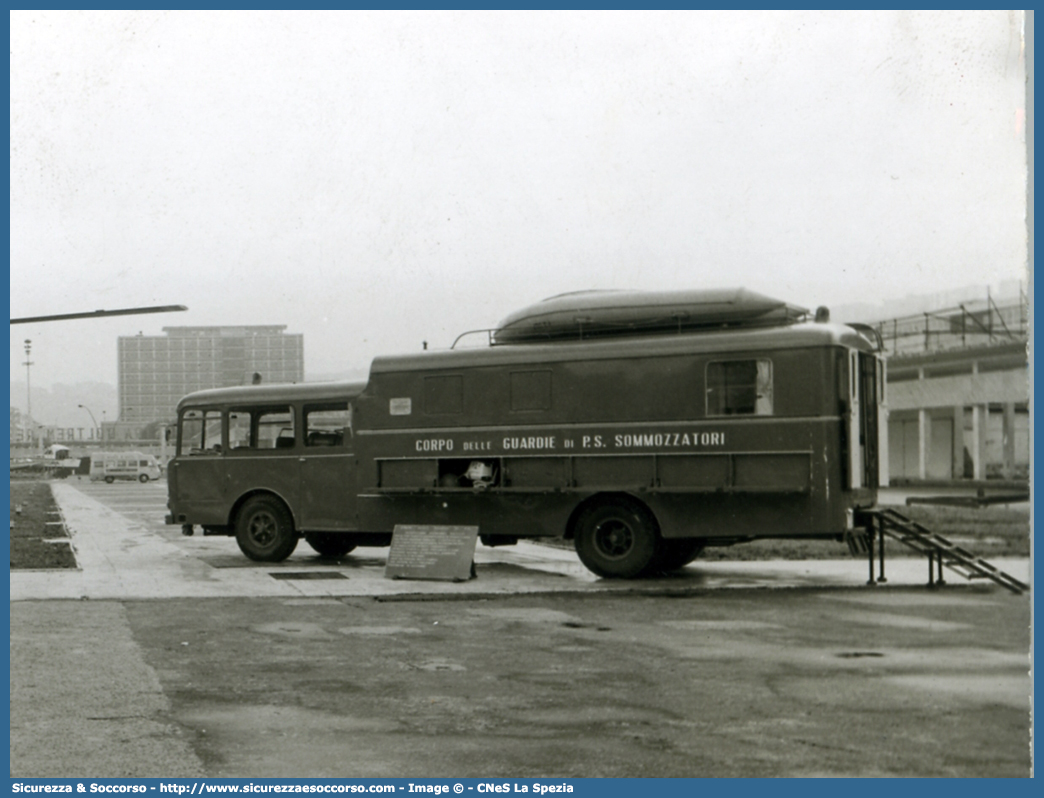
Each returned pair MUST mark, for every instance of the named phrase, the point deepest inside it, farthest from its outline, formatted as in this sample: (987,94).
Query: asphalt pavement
(128,658)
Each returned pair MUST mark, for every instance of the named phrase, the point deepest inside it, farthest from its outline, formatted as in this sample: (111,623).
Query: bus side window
(327,424)
(739,387)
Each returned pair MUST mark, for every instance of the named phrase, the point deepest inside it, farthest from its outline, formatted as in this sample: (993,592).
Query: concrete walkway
(124,559)
(84,703)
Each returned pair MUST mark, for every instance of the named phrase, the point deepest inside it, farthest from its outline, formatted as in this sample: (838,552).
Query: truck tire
(265,530)
(143,478)
(677,553)
(617,539)
(330,544)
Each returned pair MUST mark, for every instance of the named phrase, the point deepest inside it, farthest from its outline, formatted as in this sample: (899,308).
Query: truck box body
(716,434)
(561,422)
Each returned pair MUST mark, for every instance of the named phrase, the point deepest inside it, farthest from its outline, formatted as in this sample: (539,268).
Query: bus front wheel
(617,539)
(143,478)
(329,544)
(265,530)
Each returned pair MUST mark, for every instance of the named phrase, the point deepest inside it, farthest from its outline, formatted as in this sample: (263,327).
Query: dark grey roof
(730,340)
(267,393)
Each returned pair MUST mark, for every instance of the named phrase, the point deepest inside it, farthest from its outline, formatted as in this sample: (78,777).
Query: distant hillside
(59,404)
(1004,293)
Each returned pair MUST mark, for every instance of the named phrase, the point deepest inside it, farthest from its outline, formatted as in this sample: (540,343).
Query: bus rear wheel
(265,530)
(329,544)
(617,539)
(109,480)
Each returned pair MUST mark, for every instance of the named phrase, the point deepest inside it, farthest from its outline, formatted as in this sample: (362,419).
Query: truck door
(197,476)
(328,489)
(882,423)
(853,421)
(868,422)
(262,452)
(864,419)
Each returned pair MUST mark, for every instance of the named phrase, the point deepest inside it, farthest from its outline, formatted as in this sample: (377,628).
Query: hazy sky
(373,180)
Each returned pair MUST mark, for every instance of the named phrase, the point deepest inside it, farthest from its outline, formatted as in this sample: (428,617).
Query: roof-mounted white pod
(591,314)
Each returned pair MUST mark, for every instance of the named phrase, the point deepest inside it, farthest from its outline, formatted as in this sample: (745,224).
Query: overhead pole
(95,314)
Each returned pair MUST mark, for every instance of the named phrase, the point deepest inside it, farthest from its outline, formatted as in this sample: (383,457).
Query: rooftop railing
(961,327)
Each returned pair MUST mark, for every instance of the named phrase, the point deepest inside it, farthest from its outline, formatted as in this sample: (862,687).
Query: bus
(642,427)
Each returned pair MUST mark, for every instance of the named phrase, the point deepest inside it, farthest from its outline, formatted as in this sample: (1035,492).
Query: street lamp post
(28,394)
(94,421)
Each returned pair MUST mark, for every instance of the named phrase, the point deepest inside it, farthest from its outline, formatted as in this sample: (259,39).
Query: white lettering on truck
(435,445)
(530,443)
(666,439)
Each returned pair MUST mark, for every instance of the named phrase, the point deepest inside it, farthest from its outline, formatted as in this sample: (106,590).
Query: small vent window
(530,390)
(739,388)
(444,395)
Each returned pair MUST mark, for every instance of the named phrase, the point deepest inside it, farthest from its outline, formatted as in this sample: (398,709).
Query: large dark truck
(642,426)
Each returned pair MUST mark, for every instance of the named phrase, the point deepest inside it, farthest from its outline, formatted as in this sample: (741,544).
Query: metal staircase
(939,550)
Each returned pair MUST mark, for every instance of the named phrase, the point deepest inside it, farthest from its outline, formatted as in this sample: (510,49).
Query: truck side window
(239,425)
(739,387)
(200,432)
(275,428)
(327,424)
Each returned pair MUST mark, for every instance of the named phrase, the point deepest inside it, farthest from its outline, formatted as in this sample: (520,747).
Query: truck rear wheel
(617,539)
(330,544)
(265,530)
(677,553)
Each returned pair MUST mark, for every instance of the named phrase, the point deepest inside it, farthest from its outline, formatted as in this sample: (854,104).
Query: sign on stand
(432,552)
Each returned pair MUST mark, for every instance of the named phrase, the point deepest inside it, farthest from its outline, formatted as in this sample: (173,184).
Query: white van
(111,466)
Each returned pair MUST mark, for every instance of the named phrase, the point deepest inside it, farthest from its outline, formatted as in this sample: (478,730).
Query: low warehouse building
(958,393)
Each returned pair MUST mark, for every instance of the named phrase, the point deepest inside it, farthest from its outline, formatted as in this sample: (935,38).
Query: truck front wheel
(265,530)
(617,539)
(330,544)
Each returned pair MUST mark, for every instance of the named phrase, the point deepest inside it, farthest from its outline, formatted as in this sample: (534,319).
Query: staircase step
(924,541)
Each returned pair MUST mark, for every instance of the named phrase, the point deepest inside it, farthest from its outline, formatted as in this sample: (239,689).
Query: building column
(1008,469)
(978,448)
(957,469)
(924,441)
